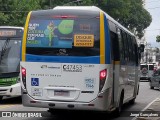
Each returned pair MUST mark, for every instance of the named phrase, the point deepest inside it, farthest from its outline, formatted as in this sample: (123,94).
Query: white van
(146,71)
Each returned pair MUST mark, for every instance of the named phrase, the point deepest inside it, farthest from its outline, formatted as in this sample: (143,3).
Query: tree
(4,17)
(130,13)
(14,12)
(20,9)
(158,38)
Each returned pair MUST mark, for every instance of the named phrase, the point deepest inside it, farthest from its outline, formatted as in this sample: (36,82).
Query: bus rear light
(23,71)
(102,78)
(103,74)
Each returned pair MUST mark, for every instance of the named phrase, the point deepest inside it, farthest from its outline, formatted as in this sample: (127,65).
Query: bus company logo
(72,68)
(52,67)
(62,52)
(34,81)
(44,66)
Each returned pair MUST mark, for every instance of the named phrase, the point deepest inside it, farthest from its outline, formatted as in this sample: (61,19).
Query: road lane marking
(147,107)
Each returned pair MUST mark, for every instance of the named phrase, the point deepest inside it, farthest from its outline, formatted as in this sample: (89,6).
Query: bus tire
(55,111)
(151,87)
(132,101)
(1,97)
(118,110)
(138,90)
(52,111)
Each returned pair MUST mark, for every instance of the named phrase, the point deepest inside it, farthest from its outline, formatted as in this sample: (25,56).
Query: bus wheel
(119,108)
(55,111)
(1,97)
(151,87)
(132,101)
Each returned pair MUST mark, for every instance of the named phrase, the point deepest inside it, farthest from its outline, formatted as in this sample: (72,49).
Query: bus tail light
(23,71)
(102,75)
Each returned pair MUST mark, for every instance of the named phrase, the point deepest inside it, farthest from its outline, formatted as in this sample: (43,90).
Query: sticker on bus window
(50,33)
(83,40)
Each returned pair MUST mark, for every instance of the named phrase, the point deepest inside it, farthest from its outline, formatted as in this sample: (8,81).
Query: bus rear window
(75,36)
(151,67)
(144,66)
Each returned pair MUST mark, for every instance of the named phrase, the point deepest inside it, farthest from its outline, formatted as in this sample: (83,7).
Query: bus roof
(93,8)
(11,27)
(90,8)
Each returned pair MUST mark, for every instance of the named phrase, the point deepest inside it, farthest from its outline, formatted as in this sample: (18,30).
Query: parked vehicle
(10,43)
(155,80)
(146,71)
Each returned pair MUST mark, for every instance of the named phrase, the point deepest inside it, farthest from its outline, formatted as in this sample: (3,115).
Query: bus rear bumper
(97,104)
(13,90)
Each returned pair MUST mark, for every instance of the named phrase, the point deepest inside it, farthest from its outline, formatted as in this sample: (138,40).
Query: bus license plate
(61,93)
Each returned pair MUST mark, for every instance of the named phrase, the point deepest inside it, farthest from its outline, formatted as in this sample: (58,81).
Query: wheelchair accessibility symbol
(34,81)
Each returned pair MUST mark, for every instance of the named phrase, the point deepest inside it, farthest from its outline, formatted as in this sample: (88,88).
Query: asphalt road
(146,96)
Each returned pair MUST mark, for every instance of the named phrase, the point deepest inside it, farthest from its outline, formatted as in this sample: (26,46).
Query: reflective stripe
(102,39)
(25,37)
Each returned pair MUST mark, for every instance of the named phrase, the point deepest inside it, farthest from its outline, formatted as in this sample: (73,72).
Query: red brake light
(102,78)
(23,71)
(103,74)
(64,16)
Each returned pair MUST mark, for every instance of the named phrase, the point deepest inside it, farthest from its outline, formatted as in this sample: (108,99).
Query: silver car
(155,80)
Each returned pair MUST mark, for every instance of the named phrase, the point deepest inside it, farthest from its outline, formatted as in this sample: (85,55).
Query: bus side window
(115,46)
(136,51)
(123,48)
(124,35)
(130,50)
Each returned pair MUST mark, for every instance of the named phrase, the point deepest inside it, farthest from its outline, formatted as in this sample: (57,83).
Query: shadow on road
(86,115)
(70,115)
(14,100)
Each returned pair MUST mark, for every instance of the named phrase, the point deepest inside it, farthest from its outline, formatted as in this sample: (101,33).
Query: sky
(153,7)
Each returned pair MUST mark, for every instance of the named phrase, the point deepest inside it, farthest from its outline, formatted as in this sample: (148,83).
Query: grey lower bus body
(99,103)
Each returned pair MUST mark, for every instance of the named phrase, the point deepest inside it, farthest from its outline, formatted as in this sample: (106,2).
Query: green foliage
(15,11)
(158,38)
(3,19)
(130,13)
(20,9)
